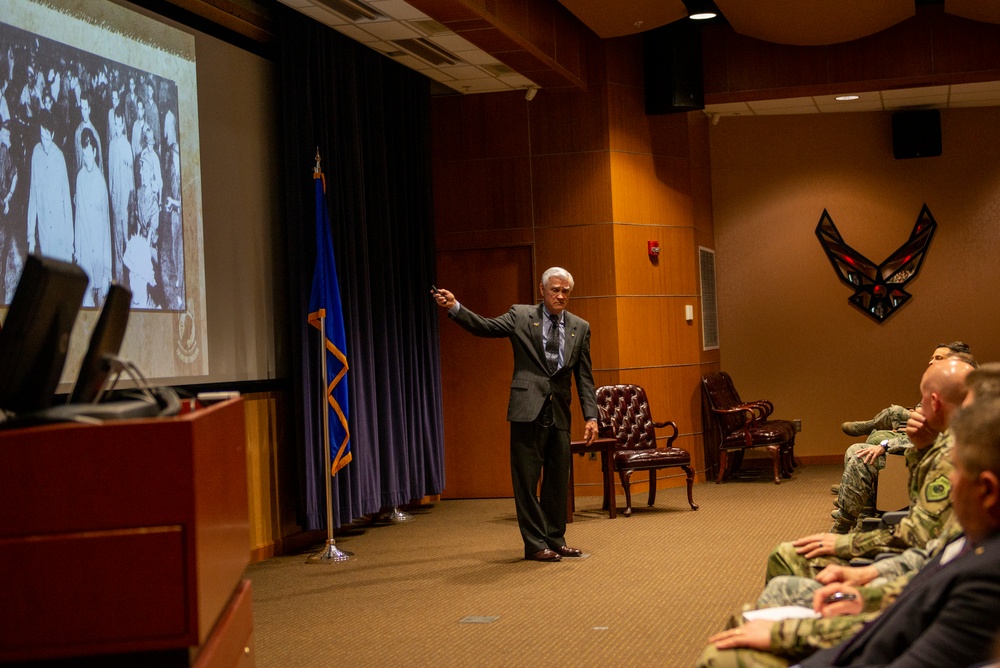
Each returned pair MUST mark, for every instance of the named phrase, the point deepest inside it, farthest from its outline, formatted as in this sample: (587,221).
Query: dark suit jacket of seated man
(539,405)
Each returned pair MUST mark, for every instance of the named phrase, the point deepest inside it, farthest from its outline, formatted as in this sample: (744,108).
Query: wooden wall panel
(272,473)
(632,130)
(623,61)
(459,239)
(583,250)
(569,122)
(700,170)
(262,470)
(602,314)
(571,189)
(653,332)
(752,63)
(961,45)
(476,372)
(650,189)
(932,48)
(674,272)
(467,127)
(494,194)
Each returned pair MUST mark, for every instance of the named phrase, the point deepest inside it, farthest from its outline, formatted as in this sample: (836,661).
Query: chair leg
(787,461)
(723,464)
(625,476)
(775,452)
(607,493)
(652,487)
(690,483)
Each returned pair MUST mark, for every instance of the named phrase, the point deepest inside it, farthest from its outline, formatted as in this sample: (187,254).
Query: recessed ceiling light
(701,10)
(845,98)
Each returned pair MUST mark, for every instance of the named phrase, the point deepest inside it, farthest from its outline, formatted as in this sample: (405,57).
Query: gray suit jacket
(532,382)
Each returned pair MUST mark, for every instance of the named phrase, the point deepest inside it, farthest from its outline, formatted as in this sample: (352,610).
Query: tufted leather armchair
(734,426)
(625,409)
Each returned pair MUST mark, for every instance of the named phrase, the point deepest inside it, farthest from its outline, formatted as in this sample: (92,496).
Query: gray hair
(557,272)
(984,381)
(977,428)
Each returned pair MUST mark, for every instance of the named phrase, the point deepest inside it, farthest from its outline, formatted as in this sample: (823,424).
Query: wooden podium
(124,538)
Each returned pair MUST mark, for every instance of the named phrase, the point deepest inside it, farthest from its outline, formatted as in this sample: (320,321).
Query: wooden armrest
(750,414)
(668,423)
(763,405)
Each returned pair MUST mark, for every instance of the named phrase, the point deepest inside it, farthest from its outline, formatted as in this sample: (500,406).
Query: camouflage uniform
(795,590)
(930,507)
(794,639)
(856,496)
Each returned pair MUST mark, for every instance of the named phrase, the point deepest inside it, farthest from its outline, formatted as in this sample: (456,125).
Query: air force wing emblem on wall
(878,290)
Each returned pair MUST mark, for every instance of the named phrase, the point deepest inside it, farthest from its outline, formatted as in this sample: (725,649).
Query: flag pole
(330,553)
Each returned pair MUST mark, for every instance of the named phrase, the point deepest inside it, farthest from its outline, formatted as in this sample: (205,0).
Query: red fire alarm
(654,248)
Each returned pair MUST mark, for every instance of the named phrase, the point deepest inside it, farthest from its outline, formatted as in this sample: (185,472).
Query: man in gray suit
(550,345)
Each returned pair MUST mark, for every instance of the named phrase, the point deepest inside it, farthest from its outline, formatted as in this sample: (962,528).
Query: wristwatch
(885,445)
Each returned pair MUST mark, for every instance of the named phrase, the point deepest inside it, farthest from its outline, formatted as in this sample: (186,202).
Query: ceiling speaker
(916,134)
(672,68)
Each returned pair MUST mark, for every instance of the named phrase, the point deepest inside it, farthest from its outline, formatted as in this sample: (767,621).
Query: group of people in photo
(90,170)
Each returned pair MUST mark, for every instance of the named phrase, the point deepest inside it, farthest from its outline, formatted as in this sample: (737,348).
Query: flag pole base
(397,516)
(330,554)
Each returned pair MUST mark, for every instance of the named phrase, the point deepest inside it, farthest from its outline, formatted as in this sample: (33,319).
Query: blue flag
(324,302)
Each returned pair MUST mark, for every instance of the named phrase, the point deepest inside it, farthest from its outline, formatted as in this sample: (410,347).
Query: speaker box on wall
(672,69)
(916,134)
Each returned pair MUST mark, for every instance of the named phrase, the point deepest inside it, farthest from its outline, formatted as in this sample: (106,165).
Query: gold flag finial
(317,168)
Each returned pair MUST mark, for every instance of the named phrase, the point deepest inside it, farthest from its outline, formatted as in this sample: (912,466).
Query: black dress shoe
(542,555)
(569,551)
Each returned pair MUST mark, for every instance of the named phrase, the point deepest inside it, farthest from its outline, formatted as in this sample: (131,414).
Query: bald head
(942,390)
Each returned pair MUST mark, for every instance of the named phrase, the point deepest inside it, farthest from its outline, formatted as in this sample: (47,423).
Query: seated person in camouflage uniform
(946,614)
(942,390)
(863,461)
(777,644)
(982,384)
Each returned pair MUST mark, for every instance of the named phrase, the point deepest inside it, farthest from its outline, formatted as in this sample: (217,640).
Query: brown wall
(580,180)
(787,330)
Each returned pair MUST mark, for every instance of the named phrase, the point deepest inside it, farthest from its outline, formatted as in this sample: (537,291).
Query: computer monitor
(35,336)
(105,342)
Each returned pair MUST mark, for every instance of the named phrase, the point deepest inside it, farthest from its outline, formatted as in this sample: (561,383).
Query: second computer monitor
(105,342)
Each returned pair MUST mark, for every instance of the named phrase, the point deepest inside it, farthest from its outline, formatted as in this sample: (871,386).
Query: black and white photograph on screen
(100,165)
(90,170)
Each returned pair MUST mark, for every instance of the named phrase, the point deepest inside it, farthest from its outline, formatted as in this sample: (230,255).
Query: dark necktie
(552,344)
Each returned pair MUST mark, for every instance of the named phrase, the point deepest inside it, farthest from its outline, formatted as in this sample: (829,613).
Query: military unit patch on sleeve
(938,489)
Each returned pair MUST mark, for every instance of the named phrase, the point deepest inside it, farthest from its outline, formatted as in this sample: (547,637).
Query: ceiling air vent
(429,26)
(428,51)
(352,10)
(498,69)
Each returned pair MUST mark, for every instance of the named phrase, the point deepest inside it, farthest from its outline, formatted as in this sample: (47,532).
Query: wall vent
(709,311)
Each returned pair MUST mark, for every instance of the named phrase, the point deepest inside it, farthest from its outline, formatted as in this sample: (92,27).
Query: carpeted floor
(654,587)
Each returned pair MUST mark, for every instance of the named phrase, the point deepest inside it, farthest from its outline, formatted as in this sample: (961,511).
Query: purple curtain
(370,119)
